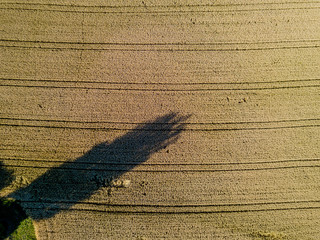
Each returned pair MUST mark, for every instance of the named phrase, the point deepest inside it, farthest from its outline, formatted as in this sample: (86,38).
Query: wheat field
(162,119)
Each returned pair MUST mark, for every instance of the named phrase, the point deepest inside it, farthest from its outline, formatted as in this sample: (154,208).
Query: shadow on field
(63,186)
(6,224)
(6,176)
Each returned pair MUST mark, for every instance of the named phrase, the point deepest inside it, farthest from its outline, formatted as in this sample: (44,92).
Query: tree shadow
(6,176)
(63,186)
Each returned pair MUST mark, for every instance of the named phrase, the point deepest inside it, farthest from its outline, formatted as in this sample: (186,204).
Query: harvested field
(162,120)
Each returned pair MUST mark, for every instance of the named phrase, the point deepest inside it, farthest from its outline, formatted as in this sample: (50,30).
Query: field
(162,119)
